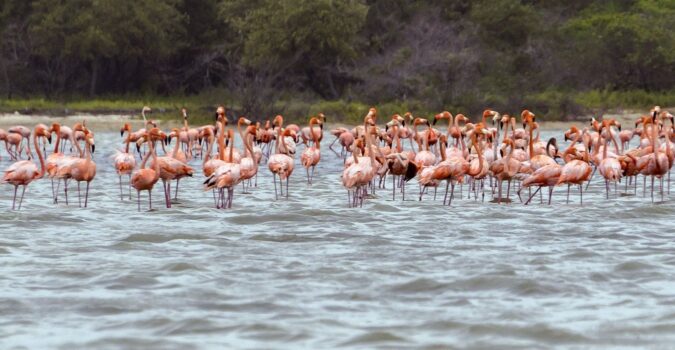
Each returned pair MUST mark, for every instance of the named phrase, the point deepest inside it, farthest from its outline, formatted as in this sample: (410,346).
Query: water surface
(308,272)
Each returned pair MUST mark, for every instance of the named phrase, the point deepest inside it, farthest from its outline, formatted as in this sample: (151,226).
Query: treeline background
(558,57)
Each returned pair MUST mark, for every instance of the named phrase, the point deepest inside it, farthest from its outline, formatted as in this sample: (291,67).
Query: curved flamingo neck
(442,150)
(506,130)
(221,141)
(209,149)
(128,140)
(77,145)
(369,146)
(397,140)
(449,125)
(58,142)
(529,142)
(42,160)
(155,163)
(315,137)
(232,149)
(243,139)
(479,153)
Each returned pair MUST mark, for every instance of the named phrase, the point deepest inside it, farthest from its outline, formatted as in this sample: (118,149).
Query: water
(310,273)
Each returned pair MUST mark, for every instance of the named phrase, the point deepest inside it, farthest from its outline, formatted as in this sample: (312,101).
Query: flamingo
(144,179)
(124,161)
(227,176)
(423,157)
(312,155)
(655,164)
(575,171)
(3,137)
(609,167)
(171,169)
(249,163)
(505,168)
(24,132)
(307,132)
(281,164)
(81,169)
(398,162)
(23,172)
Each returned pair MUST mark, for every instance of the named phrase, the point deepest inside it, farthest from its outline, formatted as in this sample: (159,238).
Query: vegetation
(296,57)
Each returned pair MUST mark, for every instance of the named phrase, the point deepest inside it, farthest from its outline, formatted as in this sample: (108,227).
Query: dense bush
(262,57)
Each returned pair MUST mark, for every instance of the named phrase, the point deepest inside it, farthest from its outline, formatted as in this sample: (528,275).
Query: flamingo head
(278,120)
(41,131)
(242,121)
(56,127)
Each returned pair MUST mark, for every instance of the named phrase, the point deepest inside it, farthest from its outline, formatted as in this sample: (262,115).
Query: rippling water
(310,273)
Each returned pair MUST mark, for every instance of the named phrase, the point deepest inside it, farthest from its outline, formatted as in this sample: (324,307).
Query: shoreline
(114,121)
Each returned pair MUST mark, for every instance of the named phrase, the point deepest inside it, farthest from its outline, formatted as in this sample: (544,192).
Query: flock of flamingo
(493,149)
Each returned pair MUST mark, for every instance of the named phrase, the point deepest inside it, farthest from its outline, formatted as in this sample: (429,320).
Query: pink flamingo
(312,155)
(227,176)
(125,162)
(23,172)
(281,164)
(144,179)
(81,169)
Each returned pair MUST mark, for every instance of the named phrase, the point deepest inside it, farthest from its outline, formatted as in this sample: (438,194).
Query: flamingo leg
(652,189)
(86,194)
(79,198)
(274,179)
(550,194)
(581,194)
(168,194)
(121,192)
(568,194)
(312,176)
(129,186)
(499,194)
(65,189)
(23,191)
(139,199)
(532,196)
(175,196)
(589,180)
(16,187)
(287,178)
(393,187)
(54,192)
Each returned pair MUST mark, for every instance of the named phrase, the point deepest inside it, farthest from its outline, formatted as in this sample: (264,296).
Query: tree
(313,38)
(625,45)
(69,34)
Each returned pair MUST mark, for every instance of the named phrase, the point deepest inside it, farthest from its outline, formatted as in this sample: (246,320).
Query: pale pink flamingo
(23,172)
(280,163)
(312,155)
(227,176)
(125,162)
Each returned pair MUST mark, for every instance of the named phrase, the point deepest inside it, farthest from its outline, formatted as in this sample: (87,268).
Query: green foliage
(298,57)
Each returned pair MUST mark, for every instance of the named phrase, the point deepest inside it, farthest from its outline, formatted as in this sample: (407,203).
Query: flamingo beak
(49,139)
(93,148)
(434,122)
(121,133)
